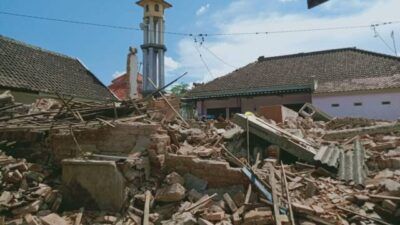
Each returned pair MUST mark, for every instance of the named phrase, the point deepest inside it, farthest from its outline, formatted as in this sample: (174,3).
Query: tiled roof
(30,68)
(362,84)
(298,71)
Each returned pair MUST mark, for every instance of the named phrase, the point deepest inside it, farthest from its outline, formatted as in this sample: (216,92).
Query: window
(358,104)
(157,8)
(386,103)
(147,8)
(335,105)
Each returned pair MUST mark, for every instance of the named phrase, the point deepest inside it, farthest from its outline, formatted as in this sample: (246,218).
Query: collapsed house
(139,162)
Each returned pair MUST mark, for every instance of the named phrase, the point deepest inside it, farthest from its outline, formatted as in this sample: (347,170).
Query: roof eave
(299,89)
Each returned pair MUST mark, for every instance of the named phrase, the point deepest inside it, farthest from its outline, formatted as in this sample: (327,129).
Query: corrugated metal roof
(352,165)
(329,155)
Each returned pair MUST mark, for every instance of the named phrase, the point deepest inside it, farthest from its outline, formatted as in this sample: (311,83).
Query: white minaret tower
(153,43)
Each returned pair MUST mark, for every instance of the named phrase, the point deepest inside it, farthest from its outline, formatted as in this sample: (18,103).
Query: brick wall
(216,173)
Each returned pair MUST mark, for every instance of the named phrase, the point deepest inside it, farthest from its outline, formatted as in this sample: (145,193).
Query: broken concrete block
(174,178)
(171,193)
(229,134)
(93,181)
(391,185)
(384,174)
(5,197)
(53,219)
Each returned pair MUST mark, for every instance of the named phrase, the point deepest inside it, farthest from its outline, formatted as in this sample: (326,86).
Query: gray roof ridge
(301,54)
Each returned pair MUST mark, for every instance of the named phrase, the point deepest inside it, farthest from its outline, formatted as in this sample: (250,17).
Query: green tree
(180,89)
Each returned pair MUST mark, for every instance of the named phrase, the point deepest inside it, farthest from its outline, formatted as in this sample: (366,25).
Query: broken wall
(122,139)
(216,173)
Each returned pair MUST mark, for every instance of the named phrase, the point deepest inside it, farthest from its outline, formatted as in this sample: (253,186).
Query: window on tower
(147,8)
(157,8)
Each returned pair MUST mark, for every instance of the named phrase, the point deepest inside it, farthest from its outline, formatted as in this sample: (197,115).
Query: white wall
(372,106)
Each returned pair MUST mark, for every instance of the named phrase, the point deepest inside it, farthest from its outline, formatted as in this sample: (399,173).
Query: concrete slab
(95,184)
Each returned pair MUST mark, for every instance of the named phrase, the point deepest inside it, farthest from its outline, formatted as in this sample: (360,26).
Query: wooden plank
(79,217)
(272,182)
(289,201)
(393,198)
(248,195)
(200,203)
(146,211)
(231,204)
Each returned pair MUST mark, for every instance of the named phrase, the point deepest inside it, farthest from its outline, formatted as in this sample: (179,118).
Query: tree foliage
(180,89)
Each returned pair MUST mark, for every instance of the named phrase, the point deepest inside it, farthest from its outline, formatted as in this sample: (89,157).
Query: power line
(203,61)
(217,57)
(383,40)
(201,34)
(394,42)
(83,23)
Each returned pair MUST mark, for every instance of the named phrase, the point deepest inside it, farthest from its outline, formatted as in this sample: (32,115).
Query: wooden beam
(79,217)
(272,182)
(146,211)
(289,201)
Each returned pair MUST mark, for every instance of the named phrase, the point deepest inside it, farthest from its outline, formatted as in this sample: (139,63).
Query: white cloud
(203,9)
(170,64)
(117,74)
(241,50)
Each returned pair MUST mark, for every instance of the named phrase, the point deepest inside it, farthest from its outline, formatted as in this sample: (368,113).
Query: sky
(104,50)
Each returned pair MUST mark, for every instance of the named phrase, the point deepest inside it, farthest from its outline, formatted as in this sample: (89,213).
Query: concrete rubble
(68,162)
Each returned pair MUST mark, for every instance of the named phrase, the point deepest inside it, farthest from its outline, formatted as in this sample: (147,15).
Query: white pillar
(133,72)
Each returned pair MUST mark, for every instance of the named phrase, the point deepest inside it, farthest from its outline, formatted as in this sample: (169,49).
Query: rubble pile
(26,190)
(124,163)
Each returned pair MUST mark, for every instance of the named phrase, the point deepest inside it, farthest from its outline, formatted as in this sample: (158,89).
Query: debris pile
(124,163)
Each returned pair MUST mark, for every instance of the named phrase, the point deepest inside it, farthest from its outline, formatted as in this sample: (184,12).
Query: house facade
(30,72)
(345,82)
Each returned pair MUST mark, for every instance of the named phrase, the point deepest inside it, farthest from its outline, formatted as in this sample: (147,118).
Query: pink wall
(252,103)
(372,106)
